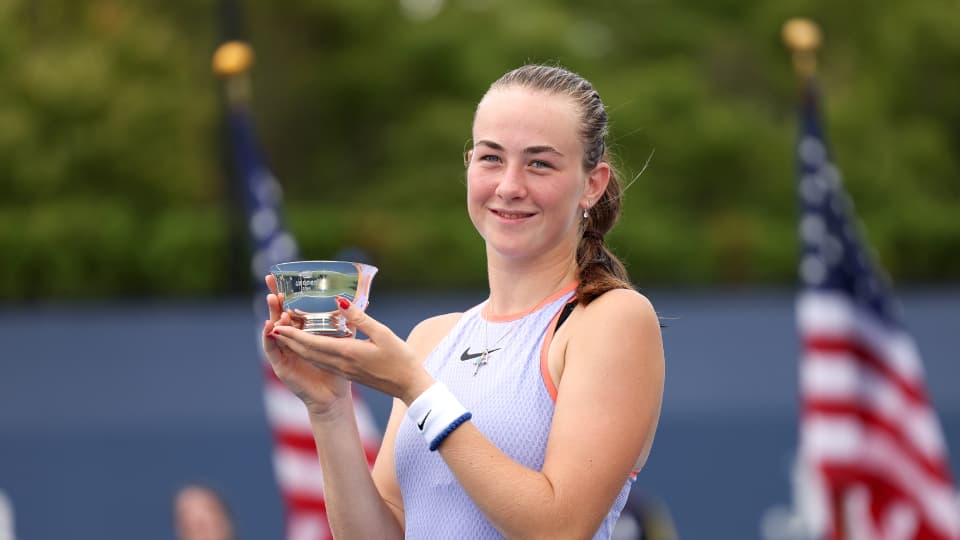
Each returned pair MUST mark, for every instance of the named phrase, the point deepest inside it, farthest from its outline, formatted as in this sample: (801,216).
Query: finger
(289,318)
(271,281)
(317,350)
(273,303)
(269,339)
(359,319)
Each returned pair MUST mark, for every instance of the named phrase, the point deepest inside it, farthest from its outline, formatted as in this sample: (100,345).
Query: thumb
(359,319)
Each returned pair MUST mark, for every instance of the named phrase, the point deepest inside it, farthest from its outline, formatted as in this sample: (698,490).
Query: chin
(517,250)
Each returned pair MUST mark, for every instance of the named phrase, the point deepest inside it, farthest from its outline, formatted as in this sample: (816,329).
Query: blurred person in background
(6,518)
(644,518)
(200,513)
(527,415)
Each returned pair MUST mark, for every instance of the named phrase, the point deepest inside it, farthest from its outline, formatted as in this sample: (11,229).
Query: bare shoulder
(621,307)
(428,333)
(620,323)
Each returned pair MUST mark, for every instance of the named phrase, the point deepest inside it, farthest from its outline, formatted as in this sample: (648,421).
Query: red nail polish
(343,303)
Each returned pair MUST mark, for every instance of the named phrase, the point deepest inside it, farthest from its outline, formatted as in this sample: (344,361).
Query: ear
(597,182)
(467,156)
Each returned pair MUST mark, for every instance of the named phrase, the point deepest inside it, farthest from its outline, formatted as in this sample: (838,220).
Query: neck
(518,286)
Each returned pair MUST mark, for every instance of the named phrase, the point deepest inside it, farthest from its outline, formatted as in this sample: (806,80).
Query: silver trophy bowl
(310,288)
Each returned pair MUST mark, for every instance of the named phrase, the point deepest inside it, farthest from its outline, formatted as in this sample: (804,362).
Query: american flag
(870,441)
(296,466)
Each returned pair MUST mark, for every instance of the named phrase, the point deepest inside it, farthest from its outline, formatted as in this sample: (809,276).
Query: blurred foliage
(113,171)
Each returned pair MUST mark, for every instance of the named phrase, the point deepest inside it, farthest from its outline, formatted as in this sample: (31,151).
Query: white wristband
(436,413)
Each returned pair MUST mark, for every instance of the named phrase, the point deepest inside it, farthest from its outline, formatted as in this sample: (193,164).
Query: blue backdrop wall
(106,409)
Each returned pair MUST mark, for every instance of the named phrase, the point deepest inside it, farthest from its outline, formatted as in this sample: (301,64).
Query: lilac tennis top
(511,398)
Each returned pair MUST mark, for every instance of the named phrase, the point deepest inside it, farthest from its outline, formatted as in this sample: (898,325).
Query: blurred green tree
(113,179)
(109,165)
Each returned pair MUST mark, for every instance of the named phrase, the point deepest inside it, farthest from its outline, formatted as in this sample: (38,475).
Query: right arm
(362,504)
(423,339)
(359,504)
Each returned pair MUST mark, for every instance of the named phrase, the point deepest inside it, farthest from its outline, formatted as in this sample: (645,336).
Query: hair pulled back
(598,269)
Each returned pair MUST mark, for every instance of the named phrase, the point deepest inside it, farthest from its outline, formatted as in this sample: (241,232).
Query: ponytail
(598,269)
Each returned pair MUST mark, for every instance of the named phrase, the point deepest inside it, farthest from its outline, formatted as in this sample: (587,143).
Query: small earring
(585,214)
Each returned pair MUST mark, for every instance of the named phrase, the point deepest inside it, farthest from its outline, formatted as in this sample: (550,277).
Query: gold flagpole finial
(803,38)
(232,62)
(232,58)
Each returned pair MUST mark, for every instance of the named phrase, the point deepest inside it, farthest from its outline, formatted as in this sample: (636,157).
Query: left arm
(608,404)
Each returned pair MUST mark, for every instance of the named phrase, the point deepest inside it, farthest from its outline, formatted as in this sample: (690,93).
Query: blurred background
(129,363)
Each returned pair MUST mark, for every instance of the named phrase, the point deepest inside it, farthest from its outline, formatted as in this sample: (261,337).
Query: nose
(512,184)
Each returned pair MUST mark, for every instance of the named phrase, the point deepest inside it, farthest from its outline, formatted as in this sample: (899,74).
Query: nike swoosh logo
(468,356)
(424,421)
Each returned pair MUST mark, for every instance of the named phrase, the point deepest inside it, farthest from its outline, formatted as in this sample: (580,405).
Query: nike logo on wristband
(468,356)
(424,421)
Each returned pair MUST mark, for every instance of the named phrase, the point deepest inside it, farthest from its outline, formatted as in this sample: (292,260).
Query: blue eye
(490,158)
(540,164)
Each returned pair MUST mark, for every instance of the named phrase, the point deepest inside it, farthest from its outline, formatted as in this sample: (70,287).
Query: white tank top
(511,398)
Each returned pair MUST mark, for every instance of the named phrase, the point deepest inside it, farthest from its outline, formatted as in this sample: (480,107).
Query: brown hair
(598,269)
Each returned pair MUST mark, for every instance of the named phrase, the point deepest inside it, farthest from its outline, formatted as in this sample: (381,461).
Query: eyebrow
(539,149)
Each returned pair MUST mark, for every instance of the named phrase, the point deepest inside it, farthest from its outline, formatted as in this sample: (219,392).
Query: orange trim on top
(514,316)
(548,381)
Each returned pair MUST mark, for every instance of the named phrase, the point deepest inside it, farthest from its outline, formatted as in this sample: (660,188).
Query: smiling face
(526,185)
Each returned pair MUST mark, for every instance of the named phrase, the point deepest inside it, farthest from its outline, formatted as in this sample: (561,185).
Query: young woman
(528,415)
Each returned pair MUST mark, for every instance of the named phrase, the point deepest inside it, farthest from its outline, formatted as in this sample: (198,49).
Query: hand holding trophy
(304,311)
(309,290)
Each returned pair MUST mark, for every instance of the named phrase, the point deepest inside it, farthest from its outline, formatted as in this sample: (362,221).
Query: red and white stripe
(868,428)
(298,472)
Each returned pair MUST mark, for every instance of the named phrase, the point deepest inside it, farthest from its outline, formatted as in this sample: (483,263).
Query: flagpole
(802,36)
(231,63)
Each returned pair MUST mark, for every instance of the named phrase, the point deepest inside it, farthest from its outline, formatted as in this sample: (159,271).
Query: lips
(512,214)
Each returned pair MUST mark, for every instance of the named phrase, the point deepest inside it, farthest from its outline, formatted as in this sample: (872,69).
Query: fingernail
(343,303)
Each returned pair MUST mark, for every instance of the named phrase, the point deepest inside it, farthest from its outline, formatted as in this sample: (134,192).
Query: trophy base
(325,324)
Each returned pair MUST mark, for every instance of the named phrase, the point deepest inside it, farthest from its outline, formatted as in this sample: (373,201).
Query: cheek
(476,197)
(479,187)
(560,197)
